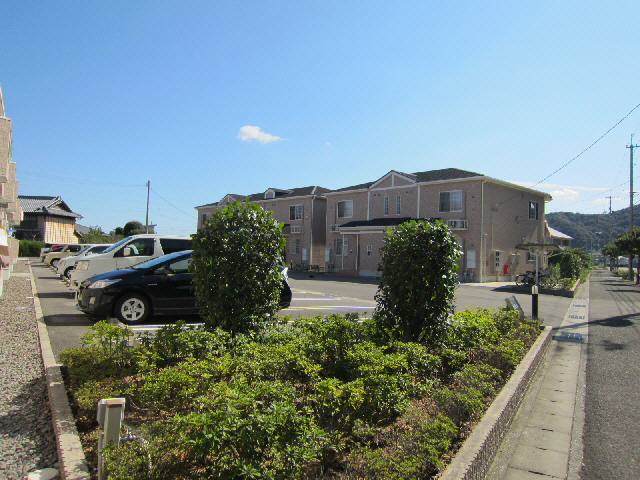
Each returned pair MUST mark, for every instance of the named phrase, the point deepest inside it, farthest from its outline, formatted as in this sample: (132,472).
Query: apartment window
(533,210)
(295,246)
(204,218)
(295,212)
(451,201)
(369,250)
(386,205)
(345,209)
(398,204)
(342,247)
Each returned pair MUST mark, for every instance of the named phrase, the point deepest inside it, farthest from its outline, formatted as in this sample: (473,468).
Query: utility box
(110,416)
(471,259)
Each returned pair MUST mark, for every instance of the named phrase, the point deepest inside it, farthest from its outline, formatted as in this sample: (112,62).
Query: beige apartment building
(489,218)
(301,210)
(10,211)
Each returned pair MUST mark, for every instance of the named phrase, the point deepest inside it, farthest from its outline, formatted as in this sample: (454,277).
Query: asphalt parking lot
(313,294)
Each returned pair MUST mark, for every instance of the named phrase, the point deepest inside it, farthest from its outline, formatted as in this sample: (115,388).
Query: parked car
(50,246)
(53,257)
(66,264)
(158,286)
(127,252)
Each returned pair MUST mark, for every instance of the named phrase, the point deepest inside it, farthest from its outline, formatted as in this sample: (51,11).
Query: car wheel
(132,308)
(67,272)
(54,262)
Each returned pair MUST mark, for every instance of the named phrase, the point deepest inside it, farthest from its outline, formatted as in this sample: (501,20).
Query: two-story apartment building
(10,211)
(302,211)
(489,217)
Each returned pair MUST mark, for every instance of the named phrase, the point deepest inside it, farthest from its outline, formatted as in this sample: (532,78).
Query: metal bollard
(534,302)
(110,416)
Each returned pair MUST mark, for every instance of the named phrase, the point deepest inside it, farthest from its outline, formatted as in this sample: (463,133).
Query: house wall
(497,217)
(319,230)
(5,147)
(347,261)
(312,234)
(203,212)
(59,229)
(507,224)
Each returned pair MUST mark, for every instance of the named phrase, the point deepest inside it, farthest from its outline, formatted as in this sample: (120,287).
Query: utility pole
(146,221)
(631,146)
(610,221)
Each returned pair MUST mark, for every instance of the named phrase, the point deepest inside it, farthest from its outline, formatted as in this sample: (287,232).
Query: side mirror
(127,252)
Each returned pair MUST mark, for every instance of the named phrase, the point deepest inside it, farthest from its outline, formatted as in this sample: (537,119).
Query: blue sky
(208,98)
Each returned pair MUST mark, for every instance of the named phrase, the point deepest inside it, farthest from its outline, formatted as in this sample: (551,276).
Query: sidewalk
(545,438)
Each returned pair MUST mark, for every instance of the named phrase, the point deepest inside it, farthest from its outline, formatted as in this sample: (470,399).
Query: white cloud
(547,186)
(249,133)
(565,194)
(606,200)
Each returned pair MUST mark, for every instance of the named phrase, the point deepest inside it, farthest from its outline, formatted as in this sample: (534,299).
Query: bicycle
(545,279)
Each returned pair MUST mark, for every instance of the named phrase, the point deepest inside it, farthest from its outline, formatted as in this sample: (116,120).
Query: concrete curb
(73,464)
(477,453)
(570,293)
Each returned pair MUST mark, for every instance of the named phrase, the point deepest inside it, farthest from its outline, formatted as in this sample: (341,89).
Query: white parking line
(318,299)
(326,307)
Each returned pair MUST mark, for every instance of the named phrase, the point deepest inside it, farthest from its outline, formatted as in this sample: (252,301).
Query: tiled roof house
(48,219)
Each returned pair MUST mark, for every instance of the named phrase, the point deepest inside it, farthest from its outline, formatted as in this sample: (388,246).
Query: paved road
(612,400)
(312,295)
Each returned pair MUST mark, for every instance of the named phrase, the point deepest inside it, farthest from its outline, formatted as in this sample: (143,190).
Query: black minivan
(162,285)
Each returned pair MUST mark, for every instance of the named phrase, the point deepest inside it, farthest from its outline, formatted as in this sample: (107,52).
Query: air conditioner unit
(335,227)
(457,224)
(296,229)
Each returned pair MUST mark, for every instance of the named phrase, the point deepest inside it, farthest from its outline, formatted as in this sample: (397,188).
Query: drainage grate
(578,305)
(570,337)
(579,317)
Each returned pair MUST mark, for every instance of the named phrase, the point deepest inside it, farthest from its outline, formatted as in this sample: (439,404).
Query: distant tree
(573,263)
(96,235)
(133,228)
(629,244)
(119,231)
(613,252)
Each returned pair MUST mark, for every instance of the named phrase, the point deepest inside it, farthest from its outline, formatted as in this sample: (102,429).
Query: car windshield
(157,261)
(117,244)
(82,251)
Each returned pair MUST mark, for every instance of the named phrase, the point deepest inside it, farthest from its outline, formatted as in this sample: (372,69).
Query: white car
(66,264)
(53,257)
(127,252)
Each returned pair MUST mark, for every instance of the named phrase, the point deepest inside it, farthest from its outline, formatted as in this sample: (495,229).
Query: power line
(75,181)
(169,203)
(583,151)
(577,156)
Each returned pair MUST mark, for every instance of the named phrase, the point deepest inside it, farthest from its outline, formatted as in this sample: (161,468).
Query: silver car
(66,264)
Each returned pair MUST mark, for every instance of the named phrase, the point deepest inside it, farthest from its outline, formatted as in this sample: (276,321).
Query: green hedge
(30,248)
(322,397)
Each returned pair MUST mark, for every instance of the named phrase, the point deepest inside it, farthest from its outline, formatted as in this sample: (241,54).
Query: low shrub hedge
(324,397)
(29,248)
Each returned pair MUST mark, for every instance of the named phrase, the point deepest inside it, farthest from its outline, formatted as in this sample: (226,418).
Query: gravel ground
(27,439)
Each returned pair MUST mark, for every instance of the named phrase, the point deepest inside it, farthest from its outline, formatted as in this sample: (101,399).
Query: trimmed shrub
(235,262)
(418,280)
(29,248)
